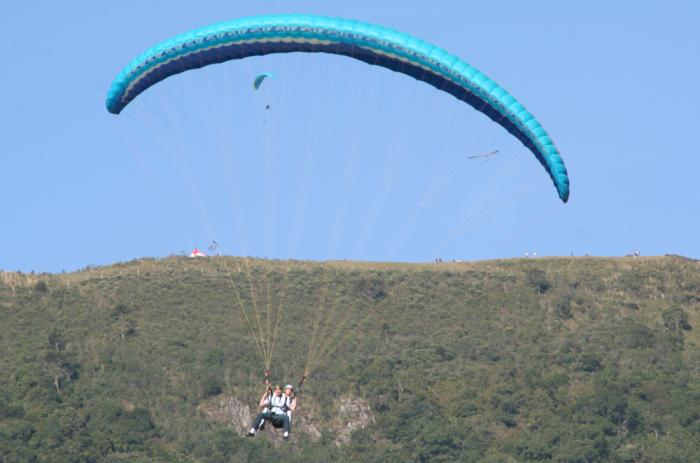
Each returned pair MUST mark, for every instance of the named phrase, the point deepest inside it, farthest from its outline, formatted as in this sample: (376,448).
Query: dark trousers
(276,420)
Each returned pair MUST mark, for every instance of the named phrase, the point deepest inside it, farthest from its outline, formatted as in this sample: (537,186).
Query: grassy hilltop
(554,359)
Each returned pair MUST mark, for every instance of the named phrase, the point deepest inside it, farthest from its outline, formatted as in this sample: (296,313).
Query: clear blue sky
(351,161)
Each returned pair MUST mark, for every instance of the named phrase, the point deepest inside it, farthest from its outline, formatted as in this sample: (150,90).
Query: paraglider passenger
(277,409)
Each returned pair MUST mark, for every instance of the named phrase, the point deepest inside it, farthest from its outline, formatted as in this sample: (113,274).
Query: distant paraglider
(483,155)
(258,82)
(260,78)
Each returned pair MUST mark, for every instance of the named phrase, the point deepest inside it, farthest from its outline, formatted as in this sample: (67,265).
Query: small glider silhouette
(484,155)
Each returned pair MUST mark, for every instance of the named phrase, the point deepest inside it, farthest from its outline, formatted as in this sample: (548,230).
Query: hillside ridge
(547,359)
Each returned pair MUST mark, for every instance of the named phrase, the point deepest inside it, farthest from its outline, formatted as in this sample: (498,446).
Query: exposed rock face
(229,409)
(350,414)
(305,423)
(354,414)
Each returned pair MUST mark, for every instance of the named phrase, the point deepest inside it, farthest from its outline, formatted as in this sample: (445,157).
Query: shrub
(537,279)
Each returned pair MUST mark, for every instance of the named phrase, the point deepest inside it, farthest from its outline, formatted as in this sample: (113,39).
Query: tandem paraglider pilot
(277,408)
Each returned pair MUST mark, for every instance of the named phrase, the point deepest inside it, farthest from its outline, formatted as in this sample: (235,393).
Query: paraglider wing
(366,42)
(259,79)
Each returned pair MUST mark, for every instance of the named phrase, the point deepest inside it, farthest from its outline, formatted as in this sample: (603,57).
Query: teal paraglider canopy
(373,44)
(259,79)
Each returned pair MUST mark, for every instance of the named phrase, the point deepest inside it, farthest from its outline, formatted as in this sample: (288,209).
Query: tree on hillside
(59,364)
(537,279)
(120,314)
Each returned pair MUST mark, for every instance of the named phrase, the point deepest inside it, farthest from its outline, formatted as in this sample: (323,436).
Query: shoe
(251,433)
(285,436)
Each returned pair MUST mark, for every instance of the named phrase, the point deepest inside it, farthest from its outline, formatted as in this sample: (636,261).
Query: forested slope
(557,359)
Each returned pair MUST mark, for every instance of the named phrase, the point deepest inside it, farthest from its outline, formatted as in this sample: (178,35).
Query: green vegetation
(537,360)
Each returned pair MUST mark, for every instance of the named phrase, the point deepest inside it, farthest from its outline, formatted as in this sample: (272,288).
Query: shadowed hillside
(555,359)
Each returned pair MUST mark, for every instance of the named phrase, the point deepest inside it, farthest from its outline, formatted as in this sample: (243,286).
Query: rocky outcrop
(229,409)
(353,413)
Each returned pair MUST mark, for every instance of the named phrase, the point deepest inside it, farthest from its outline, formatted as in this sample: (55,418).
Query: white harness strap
(280,405)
